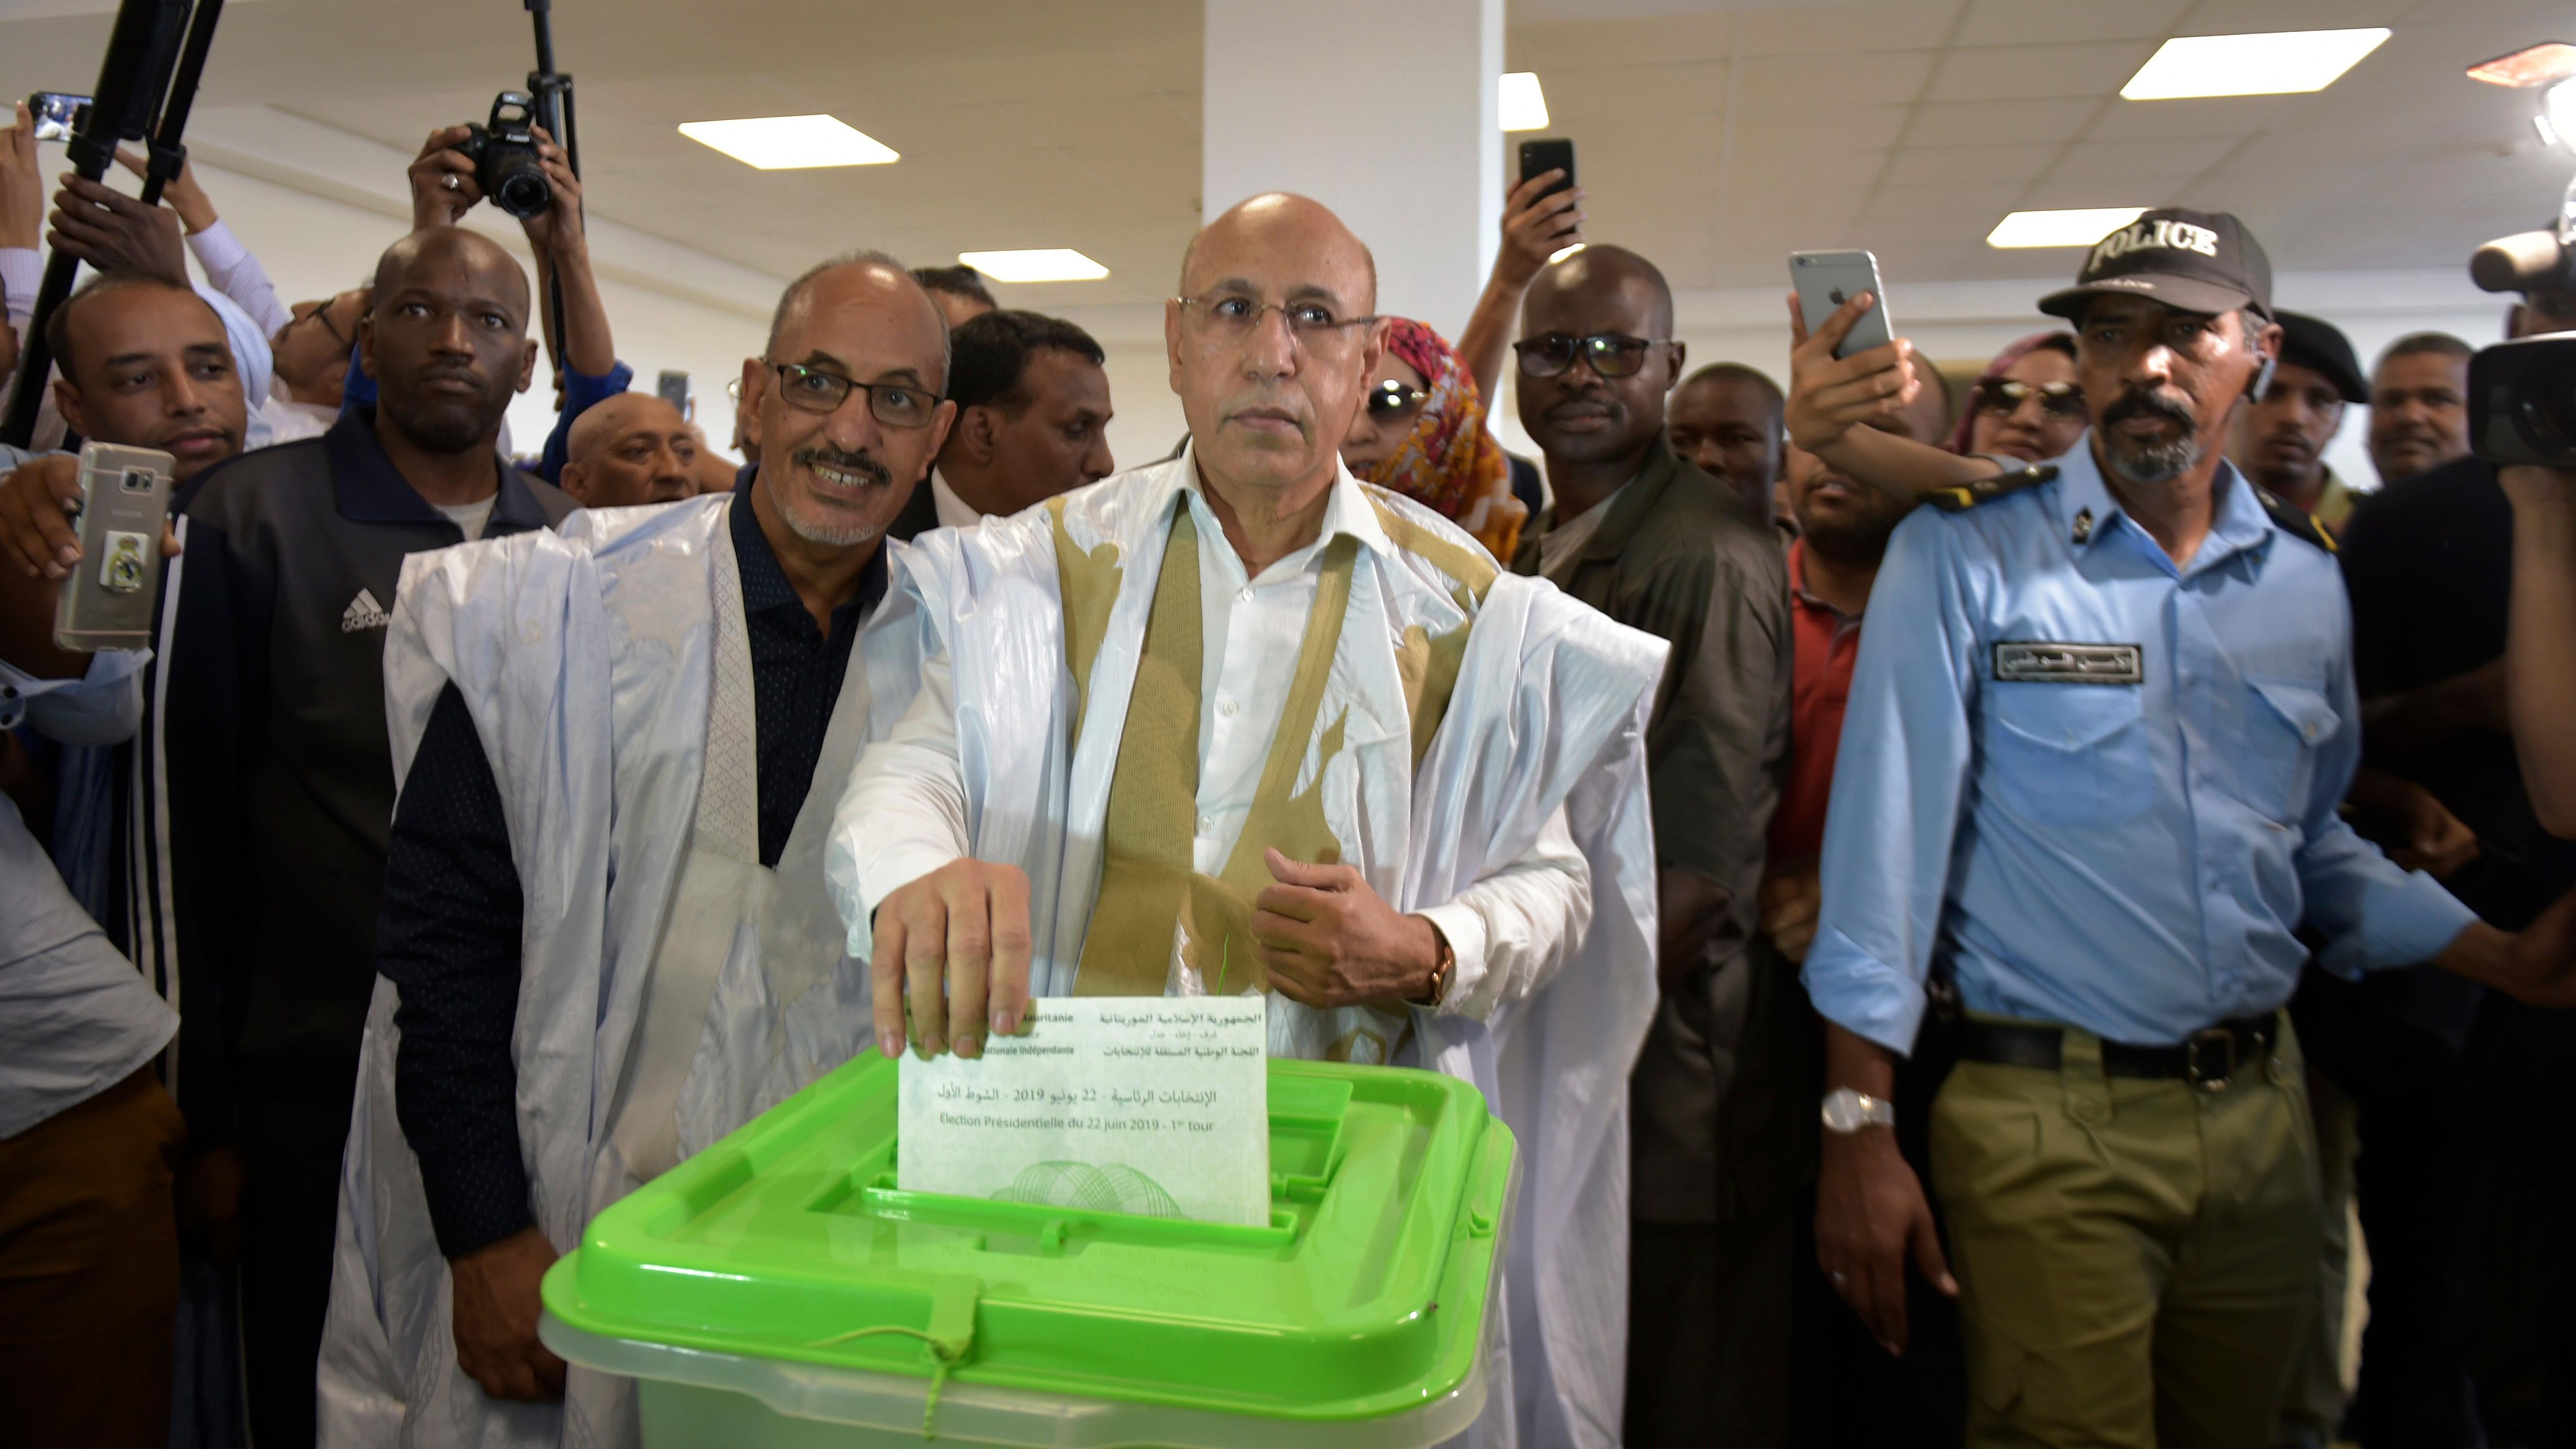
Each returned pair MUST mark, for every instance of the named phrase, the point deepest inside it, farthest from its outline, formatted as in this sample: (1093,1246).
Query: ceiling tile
(2027,22)
(2186,156)
(2018,164)
(1810,82)
(1845,28)
(1834,128)
(2090,68)
(1972,123)
(2255,17)
(2069,192)
(2215,116)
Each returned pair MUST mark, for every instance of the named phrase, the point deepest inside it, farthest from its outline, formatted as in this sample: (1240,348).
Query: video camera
(504,153)
(2522,393)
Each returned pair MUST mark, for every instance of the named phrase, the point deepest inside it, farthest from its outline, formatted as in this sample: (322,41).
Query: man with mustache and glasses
(2087,789)
(1096,790)
(619,750)
(2281,437)
(1659,545)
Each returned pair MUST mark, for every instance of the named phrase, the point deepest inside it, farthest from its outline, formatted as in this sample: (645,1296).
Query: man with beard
(608,850)
(2281,436)
(1657,544)
(273,741)
(2419,405)
(2089,783)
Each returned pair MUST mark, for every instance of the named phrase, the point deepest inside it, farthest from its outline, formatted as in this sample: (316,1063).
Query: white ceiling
(1713,137)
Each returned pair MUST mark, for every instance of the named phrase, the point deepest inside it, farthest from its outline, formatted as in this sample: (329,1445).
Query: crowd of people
(1963,896)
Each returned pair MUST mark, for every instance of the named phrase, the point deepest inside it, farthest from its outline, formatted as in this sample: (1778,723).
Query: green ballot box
(778,1289)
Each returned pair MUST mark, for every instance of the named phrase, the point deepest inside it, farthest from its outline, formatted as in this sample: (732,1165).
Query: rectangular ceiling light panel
(1520,103)
(2279,63)
(1043,264)
(2061,228)
(788,143)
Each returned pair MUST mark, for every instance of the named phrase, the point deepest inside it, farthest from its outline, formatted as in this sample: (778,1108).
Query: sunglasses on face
(1610,354)
(2003,396)
(1392,399)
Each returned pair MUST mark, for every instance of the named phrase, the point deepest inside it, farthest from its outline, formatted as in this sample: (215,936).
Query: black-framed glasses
(2004,396)
(1393,399)
(321,317)
(895,404)
(1232,317)
(1609,354)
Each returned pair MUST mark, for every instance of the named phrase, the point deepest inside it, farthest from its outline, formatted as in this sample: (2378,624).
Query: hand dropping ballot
(1133,1104)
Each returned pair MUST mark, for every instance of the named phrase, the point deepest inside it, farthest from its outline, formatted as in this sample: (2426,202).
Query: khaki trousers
(2137,1257)
(89,1272)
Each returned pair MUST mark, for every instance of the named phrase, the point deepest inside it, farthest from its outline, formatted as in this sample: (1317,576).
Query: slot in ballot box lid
(788,1247)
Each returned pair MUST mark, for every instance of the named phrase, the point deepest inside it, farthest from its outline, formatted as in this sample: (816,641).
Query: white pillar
(1383,112)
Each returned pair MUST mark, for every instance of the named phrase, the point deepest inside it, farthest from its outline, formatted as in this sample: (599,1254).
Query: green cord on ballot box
(945,1354)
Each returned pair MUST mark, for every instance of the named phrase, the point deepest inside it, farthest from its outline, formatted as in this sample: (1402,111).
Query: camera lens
(2549,414)
(515,182)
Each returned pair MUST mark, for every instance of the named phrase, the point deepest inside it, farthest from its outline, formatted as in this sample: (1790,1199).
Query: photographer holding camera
(448,179)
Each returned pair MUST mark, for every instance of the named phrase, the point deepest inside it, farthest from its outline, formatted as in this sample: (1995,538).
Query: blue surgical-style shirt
(2123,837)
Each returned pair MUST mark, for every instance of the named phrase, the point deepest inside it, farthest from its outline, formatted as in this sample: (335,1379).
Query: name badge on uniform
(2039,662)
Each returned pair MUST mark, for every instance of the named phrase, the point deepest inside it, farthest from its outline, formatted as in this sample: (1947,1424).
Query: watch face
(1843,1112)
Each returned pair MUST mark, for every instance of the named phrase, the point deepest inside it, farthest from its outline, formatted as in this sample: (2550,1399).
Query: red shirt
(1826,643)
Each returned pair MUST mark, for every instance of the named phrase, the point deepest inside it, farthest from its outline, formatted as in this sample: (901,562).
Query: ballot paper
(1135,1104)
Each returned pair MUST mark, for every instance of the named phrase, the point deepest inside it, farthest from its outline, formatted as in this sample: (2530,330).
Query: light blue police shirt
(2121,837)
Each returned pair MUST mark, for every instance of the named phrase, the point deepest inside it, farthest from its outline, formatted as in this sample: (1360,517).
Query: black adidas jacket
(269,788)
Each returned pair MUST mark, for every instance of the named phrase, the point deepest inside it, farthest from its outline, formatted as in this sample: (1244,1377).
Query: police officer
(2095,742)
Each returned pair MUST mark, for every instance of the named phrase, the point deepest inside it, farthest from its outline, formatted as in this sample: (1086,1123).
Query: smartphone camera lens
(137,481)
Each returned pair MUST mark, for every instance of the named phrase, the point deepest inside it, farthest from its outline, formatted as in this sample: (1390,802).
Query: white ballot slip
(1157,1105)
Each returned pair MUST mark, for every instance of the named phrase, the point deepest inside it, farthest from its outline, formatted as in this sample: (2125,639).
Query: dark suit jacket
(1680,556)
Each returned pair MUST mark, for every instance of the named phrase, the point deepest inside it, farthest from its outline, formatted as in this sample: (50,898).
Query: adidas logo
(364,613)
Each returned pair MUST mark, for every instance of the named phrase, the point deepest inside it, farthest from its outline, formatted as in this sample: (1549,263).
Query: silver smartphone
(109,600)
(1826,280)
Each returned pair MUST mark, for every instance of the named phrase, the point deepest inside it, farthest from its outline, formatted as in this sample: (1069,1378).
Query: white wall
(313,247)
(1415,167)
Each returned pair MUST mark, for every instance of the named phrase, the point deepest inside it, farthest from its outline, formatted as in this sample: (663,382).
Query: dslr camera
(504,153)
(2522,393)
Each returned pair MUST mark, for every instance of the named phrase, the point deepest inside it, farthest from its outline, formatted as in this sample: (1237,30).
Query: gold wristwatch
(1446,967)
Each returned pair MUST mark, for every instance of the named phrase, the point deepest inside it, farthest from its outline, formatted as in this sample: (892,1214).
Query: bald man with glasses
(1237,722)
(1657,544)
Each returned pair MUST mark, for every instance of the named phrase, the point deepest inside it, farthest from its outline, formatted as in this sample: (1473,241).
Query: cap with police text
(2321,348)
(2192,261)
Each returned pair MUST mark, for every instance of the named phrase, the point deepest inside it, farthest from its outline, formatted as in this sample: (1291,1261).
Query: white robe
(1549,711)
(605,671)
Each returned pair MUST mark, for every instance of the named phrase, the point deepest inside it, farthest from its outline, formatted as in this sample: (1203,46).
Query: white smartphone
(1826,280)
(108,601)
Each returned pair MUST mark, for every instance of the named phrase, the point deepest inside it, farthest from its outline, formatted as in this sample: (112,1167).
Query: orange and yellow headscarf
(1449,462)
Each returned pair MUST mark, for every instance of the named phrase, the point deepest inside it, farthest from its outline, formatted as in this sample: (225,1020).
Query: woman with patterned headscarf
(2025,405)
(1422,434)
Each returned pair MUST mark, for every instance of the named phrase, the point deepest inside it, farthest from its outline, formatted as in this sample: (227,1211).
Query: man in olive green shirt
(1659,545)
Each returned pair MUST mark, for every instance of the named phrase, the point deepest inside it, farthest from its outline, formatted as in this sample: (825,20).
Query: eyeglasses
(895,404)
(2003,395)
(1392,399)
(1610,354)
(1232,318)
(321,317)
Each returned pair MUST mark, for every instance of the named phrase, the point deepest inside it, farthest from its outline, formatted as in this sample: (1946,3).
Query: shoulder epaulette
(2293,520)
(1987,490)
